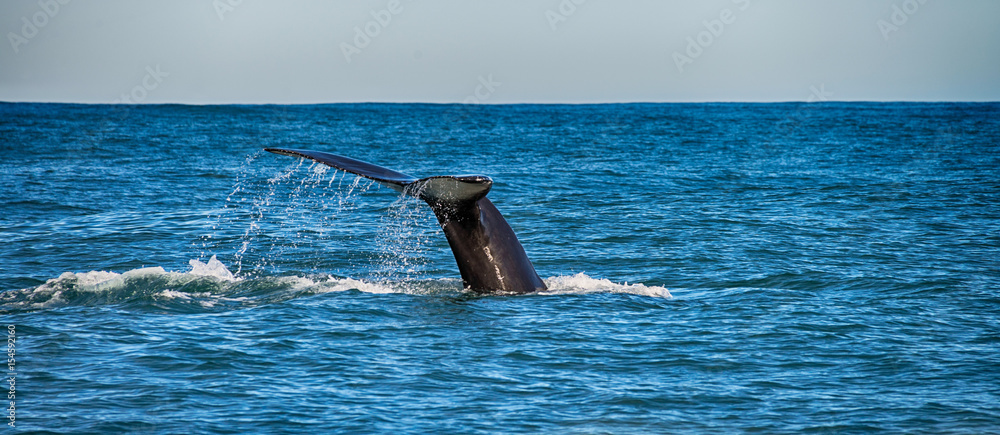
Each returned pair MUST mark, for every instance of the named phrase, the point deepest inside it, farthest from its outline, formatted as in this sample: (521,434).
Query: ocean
(712,268)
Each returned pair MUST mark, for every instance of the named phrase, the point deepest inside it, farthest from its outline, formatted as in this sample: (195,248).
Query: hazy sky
(498,51)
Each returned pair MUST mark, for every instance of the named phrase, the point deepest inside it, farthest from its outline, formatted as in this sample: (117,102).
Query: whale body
(489,256)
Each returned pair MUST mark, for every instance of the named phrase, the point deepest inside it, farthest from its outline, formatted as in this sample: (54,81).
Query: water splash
(212,286)
(109,288)
(402,239)
(214,269)
(583,284)
(308,218)
(266,218)
(224,218)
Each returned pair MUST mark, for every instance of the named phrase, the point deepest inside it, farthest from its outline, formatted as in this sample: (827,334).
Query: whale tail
(489,256)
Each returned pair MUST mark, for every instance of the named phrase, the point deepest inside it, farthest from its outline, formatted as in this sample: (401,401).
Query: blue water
(827,267)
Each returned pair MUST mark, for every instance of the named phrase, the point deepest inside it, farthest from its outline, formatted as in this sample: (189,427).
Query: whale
(491,260)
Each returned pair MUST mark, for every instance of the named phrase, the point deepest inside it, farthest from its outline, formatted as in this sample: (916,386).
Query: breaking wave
(211,286)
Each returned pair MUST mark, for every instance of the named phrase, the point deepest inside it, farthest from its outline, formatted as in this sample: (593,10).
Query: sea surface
(712,268)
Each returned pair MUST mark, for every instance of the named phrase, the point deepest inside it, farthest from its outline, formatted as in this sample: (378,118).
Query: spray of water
(307,216)
(401,241)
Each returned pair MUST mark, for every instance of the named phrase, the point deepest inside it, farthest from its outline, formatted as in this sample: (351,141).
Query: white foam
(344,284)
(103,280)
(205,299)
(173,294)
(87,279)
(214,269)
(429,286)
(166,286)
(575,284)
(583,284)
(53,292)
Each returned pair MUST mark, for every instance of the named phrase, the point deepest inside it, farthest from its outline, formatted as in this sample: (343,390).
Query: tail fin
(438,189)
(387,177)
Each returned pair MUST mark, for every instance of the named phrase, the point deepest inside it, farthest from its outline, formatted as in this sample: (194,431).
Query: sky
(498,51)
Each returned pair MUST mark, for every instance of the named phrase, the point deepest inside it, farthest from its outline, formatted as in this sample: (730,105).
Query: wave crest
(212,285)
(583,284)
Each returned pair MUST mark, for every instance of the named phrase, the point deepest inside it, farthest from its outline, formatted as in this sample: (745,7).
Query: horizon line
(499,103)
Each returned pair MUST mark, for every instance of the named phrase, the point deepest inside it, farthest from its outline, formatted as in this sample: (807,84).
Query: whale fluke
(385,176)
(489,256)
